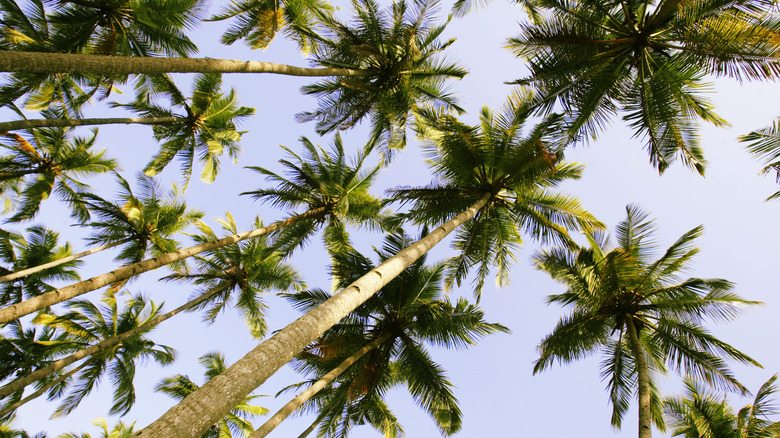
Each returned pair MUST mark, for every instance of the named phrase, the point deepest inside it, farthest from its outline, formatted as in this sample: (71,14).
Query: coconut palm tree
(525,164)
(328,180)
(258,21)
(91,323)
(399,47)
(699,413)
(123,27)
(18,252)
(52,165)
(28,29)
(142,224)
(120,430)
(648,61)
(236,423)
(388,65)
(388,332)
(640,314)
(240,273)
(334,189)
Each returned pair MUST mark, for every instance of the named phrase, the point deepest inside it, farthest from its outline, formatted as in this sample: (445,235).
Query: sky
(494,383)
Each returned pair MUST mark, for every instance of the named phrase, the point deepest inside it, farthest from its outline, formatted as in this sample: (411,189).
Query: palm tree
(328,180)
(52,165)
(142,223)
(598,58)
(527,166)
(124,27)
(206,126)
(240,273)
(388,65)
(333,188)
(384,338)
(91,324)
(234,424)
(399,49)
(258,21)
(41,246)
(699,414)
(29,29)
(640,314)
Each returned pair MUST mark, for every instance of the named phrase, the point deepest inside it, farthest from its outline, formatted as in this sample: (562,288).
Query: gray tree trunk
(195,414)
(70,258)
(42,301)
(324,381)
(50,63)
(643,378)
(100,346)
(61,123)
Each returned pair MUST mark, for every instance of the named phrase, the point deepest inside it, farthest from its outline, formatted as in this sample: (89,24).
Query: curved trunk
(50,63)
(643,378)
(100,346)
(61,123)
(42,301)
(325,380)
(195,414)
(70,258)
(39,392)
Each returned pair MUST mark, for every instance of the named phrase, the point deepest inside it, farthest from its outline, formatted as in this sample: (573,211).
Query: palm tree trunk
(42,301)
(643,377)
(101,346)
(50,63)
(61,123)
(325,380)
(204,407)
(40,391)
(310,429)
(70,258)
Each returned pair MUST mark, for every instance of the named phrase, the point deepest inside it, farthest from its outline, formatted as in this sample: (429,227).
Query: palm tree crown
(398,51)
(406,314)
(639,313)
(699,414)
(597,58)
(517,172)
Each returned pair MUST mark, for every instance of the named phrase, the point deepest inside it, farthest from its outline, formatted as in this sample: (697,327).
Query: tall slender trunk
(35,62)
(325,380)
(42,389)
(61,123)
(42,301)
(311,428)
(204,407)
(643,377)
(100,346)
(63,260)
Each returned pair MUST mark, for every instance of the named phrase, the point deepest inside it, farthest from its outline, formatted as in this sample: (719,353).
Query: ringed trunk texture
(40,302)
(643,377)
(324,381)
(193,416)
(50,63)
(62,123)
(70,258)
(105,344)
(40,392)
